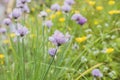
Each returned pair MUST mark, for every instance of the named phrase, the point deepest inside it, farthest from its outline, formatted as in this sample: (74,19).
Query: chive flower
(66,8)
(69,2)
(52,51)
(82,20)
(24,1)
(43,14)
(79,19)
(97,73)
(21,31)
(48,23)
(7,21)
(25,8)
(76,17)
(3,30)
(16,13)
(55,7)
(58,38)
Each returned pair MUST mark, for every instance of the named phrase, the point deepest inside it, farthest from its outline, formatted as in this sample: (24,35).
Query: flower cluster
(65,8)
(21,31)
(97,73)
(21,7)
(79,19)
(59,38)
(7,21)
(52,51)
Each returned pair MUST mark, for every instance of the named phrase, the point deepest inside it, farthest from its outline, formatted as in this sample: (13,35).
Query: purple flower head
(76,17)
(25,8)
(69,2)
(7,21)
(52,51)
(55,7)
(58,38)
(97,73)
(16,13)
(66,8)
(48,23)
(82,21)
(19,4)
(79,19)
(21,31)
(3,30)
(24,1)
(28,1)
(42,14)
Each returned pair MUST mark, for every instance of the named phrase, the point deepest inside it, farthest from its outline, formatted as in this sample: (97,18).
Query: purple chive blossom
(43,14)
(3,30)
(28,1)
(48,23)
(52,51)
(55,7)
(97,73)
(25,8)
(79,19)
(16,13)
(69,2)
(58,38)
(19,4)
(7,21)
(24,1)
(66,8)
(76,17)
(21,31)
(82,21)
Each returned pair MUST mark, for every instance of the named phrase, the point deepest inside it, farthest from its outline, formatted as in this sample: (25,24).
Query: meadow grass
(93,45)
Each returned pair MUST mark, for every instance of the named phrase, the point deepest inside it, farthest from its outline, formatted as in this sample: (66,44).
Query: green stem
(43,41)
(67,21)
(48,69)
(23,65)
(36,56)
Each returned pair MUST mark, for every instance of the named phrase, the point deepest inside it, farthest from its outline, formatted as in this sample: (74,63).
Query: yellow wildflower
(114,12)
(1,56)
(12,35)
(6,41)
(58,13)
(62,20)
(111,2)
(109,50)
(96,22)
(76,11)
(52,16)
(92,3)
(48,10)
(99,8)
(81,39)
